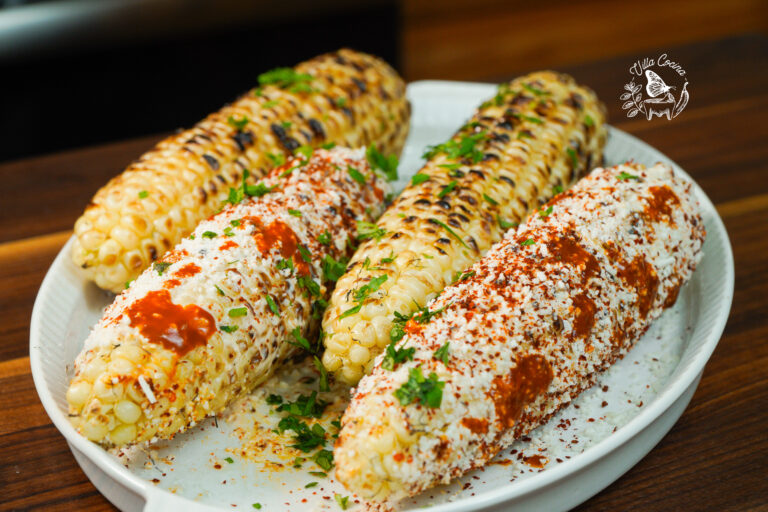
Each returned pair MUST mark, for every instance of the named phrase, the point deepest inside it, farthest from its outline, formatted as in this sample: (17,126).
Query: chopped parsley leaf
(328,145)
(461,277)
(307,406)
(574,157)
(442,354)
(450,167)
(423,315)
(287,78)
(274,399)
(310,285)
(343,501)
(427,390)
(397,331)
(283,264)
(310,485)
(419,178)
(557,189)
(394,356)
(524,134)
(505,224)
(369,230)
(390,258)
(143,194)
(626,176)
(304,150)
(545,213)
(286,124)
(301,341)
(236,312)
(529,241)
(332,269)
(463,148)
(356,175)
(238,124)
(295,213)
(235,222)
(528,118)
(386,164)
(340,102)
(230,460)
(362,293)
(228,328)
(258,190)
(257,506)
(447,189)
(277,160)
(160,267)
(535,90)
(209,234)
(270,104)
(450,231)
(324,459)
(588,121)
(325,238)
(319,474)
(305,254)
(228,231)
(272,305)
(323,384)
(490,200)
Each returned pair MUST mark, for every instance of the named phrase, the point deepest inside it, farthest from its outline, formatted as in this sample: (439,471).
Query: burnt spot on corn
(445,241)
(508,180)
(444,204)
(212,161)
(459,216)
(317,128)
(477,173)
(425,202)
(360,84)
(243,140)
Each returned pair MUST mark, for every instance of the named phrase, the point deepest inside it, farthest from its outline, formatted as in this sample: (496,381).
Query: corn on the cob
(208,322)
(525,332)
(541,132)
(345,97)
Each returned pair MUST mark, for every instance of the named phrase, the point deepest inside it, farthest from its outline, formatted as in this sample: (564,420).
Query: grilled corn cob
(346,97)
(208,321)
(528,329)
(541,132)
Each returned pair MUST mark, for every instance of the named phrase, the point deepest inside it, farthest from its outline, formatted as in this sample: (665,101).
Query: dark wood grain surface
(714,458)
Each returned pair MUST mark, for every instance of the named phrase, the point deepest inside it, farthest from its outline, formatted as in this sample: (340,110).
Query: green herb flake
(286,78)
(324,459)
(160,267)
(209,234)
(544,214)
(490,200)
(277,160)
(573,156)
(323,384)
(588,121)
(304,150)
(128,284)
(362,293)
(529,241)
(427,390)
(356,175)
(447,189)
(234,222)
(530,119)
(257,506)
(419,178)
(274,399)
(319,474)
(258,190)
(466,147)
(535,90)
(143,194)
(626,176)
(505,224)
(332,269)
(340,102)
(295,213)
(301,341)
(342,501)
(270,104)
(238,124)
(305,254)
(230,460)
(237,312)
(464,276)
(390,258)
(369,230)
(286,124)
(557,189)
(442,354)
(450,167)
(228,328)
(451,232)
(272,305)
(394,356)
(325,238)
(386,164)
(328,145)
(310,485)
(283,264)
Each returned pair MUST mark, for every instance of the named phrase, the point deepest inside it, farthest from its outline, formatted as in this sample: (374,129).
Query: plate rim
(661,403)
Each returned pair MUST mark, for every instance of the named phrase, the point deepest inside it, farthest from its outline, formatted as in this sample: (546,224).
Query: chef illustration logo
(658,88)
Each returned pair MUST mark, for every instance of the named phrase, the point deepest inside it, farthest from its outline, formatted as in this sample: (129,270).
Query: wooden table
(714,458)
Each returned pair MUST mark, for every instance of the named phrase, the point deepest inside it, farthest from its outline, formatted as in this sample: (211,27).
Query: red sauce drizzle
(229,244)
(584,315)
(660,203)
(476,425)
(174,256)
(511,393)
(187,270)
(535,461)
(641,275)
(171,283)
(279,232)
(177,328)
(567,250)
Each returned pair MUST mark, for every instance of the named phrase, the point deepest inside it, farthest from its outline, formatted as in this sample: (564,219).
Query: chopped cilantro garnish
(419,178)
(258,190)
(307,406)
(272,305)
(529,241)
(235,222)
(324,459)
(626,176)
(304,150)
(320,474)
(128,284)
(143,194)
(257,506)
(557,189)
(524,134)
(450,167)
(323,385)
(286,124)
(362,293)
(332,269)
(340,102)
(238,124)
(328,145)
(305,254)
(277,160)
(356,175)
(450,231)
(343,501)
(228,328)
(283,264)
(228,231)
(325,238)
(301,341)
(490,200)
(447,189)
(528,118)
(573,156)
(368,230)
(390,258)
(505,224)
(397,331)
(160,267)
(209,234)
(545,213)
(274,399)
(310,485)
(270,104)
(588,121)
(535,90)
(386,164)
(442,354)
(287,78)
(427,390)
(309,284)
(423,315)
(236,312)
(394,356)
(230,460)
(461,277)
(295,213)
(463,148)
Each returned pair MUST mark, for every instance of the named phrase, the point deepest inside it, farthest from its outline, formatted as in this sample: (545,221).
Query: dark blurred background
(80,72)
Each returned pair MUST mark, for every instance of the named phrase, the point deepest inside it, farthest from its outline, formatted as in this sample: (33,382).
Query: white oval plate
(584,448)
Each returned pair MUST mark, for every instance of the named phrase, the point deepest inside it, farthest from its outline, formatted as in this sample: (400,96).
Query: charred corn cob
(209,320)
(540,133)
(346,97)
(528,329)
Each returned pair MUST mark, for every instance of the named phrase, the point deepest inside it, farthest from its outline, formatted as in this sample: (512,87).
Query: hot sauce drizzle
(177,328)
(187,270)
(278,232)
(660,203)
(526,381)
